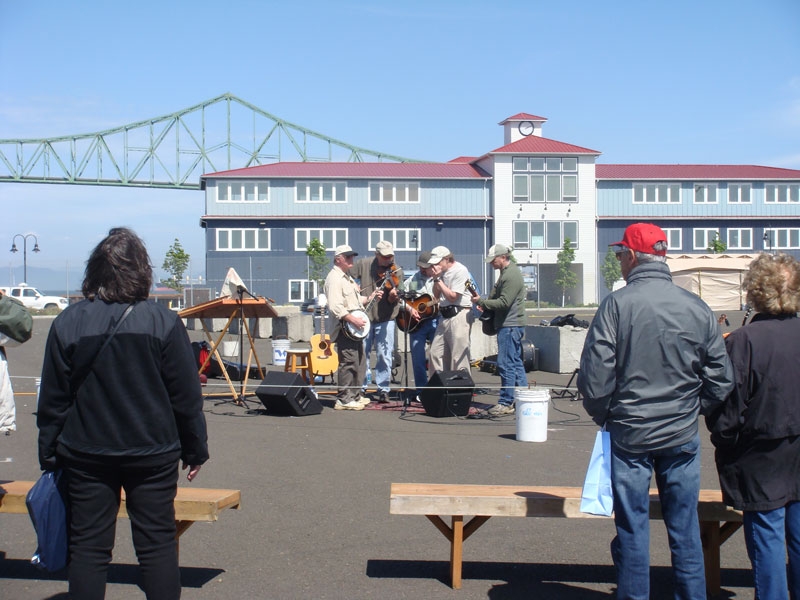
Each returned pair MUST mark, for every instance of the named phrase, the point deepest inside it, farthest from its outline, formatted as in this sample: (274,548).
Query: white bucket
(279,349)
(531,410)
(230,349)
(38,382)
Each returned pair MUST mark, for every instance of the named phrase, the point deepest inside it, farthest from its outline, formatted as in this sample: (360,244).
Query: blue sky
(642,82)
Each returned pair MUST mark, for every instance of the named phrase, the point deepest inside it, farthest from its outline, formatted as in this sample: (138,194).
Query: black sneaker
(383,398)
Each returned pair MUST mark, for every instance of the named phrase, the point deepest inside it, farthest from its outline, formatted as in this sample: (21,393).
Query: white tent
(716,278)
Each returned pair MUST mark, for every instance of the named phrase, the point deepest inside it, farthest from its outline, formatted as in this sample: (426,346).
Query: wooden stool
(298,361)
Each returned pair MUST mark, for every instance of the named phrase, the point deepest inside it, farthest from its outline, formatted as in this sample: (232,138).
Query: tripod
(239,399)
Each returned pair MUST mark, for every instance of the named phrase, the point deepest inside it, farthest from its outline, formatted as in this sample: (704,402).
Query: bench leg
(180,529)
(710,535)
(456,533)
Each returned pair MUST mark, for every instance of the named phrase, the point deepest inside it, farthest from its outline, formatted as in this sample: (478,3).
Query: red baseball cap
(642,237)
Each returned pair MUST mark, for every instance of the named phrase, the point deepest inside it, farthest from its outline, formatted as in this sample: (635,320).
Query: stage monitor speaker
(448,394)
(284,393)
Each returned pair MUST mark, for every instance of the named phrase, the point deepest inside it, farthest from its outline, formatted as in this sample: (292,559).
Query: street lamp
(768,240)
(24,251)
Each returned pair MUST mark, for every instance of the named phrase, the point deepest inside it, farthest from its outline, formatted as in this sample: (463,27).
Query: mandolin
(425,305)
(323,359)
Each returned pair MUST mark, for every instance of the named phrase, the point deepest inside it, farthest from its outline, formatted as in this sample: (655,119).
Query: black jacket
(757,431)
(142,397)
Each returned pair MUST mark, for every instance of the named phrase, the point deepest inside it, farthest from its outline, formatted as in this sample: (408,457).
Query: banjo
(353,332)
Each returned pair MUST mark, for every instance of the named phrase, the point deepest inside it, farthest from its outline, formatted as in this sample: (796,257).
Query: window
(782,239)
(740,239)
(302,289)
(705,193)
(703,238)
(330,238)
(401,239)
(738,193)
(782,192)
(550,187)
(394,192)
(243,239)
(674,238)
(656,193)
(320,191)
(535,235)
(242,191)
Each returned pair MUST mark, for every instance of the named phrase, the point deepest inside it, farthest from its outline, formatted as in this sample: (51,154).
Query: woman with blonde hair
(757,431)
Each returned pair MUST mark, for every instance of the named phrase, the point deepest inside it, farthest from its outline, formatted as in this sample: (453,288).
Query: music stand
(406,393)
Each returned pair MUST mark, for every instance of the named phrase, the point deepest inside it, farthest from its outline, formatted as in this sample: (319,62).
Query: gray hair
(643,257)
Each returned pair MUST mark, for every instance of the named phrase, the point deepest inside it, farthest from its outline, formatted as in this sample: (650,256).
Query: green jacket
(507,298)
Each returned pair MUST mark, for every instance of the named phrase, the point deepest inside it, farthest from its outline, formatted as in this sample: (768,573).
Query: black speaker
(284,393)
(448,394)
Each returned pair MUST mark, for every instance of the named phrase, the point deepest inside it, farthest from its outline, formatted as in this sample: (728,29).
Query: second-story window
(399,191)
(320,191)
(705,193)
(242,191)
(656,193)
(545,179)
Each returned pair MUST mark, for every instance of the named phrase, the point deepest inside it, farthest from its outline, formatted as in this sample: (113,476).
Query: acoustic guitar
(487,316)
(323,359)
(425,305)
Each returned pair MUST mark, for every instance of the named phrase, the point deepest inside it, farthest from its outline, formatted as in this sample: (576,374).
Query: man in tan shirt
(346,304)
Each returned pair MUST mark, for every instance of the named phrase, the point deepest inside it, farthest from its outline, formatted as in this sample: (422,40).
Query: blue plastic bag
(48,511)
(597,497)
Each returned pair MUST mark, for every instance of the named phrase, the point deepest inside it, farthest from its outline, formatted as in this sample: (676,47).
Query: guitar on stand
(323,359)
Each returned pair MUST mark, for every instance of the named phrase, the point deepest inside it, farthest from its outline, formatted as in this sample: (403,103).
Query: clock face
(526,128)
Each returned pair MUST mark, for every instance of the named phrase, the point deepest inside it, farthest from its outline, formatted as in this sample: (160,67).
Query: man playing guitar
(419,316)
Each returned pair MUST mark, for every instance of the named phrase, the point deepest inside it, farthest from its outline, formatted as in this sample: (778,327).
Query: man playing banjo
(346,304)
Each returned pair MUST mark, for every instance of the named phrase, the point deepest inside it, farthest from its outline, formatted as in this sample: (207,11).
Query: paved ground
(315,518)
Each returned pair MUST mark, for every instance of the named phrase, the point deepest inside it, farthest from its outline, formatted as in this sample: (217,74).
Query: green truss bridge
(173,151)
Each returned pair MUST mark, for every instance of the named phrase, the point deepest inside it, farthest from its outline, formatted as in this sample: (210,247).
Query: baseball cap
(437,254)
(643,237)
(385,248)
(344,249)
(422,261)
(497,250)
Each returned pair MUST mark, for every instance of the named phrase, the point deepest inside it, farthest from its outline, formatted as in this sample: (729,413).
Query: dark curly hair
(773,284)
(118,269)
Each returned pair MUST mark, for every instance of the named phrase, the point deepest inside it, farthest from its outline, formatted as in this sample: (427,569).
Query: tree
(611,269)
(176,262)
(717,246)
(318,262)
(566,278)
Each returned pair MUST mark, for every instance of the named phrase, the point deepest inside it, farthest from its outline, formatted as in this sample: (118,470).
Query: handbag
(15,320)
(597,496)
(47,508)
(487,322)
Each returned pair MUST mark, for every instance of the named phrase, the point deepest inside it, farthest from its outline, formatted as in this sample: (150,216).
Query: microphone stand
(406,391)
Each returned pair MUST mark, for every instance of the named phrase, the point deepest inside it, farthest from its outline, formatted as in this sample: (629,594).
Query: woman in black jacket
(120,413)
(757,431)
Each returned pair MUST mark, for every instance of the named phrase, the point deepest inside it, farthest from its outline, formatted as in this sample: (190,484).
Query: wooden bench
(717,520)
(191,504)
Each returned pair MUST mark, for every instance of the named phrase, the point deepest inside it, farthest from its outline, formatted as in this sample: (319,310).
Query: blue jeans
(382,336)
(677,472)
(419,338)
(768,535)
(510,367)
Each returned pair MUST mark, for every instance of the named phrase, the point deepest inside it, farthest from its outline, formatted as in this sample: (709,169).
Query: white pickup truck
(32,298)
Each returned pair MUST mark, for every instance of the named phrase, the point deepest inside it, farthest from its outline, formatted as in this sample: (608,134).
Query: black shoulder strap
(88,368)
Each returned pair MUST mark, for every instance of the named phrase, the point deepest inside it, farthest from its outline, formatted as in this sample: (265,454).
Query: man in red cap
(653,361)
